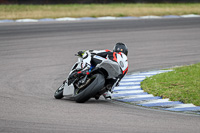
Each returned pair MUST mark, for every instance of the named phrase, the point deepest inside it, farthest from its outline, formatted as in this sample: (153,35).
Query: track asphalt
(36,57)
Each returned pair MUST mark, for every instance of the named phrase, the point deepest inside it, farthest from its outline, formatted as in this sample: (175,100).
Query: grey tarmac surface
(36,57)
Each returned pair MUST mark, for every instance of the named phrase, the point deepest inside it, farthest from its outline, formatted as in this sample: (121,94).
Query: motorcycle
(102,75)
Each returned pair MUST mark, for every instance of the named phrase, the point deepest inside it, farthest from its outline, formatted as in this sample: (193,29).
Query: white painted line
(26,20)
(107,18)
(190,16)
(134,76)
(133,79)
(150,17)
(127,87)
(129,83)
(184,105)
(155,101)
(138,96)
(127,92)
(151,73)
(67,19)
(172,105)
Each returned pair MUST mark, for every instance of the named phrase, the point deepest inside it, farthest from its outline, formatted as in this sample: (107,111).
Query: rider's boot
(107,95)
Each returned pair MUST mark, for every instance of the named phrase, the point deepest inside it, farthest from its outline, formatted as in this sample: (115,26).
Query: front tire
(59,92)
(91,90)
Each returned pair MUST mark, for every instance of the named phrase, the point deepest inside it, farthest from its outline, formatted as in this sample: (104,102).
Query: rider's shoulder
(123,55)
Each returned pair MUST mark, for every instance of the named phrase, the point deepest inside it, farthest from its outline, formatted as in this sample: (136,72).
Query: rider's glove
(80,53)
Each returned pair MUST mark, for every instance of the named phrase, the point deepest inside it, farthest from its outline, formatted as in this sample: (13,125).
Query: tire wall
(93,88)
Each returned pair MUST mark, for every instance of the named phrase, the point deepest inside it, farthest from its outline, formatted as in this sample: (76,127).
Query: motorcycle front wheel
(91,90)
(59,92)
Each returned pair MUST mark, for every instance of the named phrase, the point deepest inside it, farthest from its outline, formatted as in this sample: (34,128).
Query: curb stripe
(160,104)
(131,80)
(129,83)
(126,90)
(128,87)
(99,18)
(184,109)
(138,99)
(129,94)
(129,90)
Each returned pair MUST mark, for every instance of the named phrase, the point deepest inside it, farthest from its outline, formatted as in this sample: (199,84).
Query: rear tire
(59,92)
(91,90)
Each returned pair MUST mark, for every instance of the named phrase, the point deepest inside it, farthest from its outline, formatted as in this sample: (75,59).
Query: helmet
(120,47)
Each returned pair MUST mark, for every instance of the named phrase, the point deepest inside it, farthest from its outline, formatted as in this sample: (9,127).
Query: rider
(119,55)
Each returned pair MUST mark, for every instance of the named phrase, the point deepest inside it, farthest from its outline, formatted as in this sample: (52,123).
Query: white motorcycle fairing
(68,90)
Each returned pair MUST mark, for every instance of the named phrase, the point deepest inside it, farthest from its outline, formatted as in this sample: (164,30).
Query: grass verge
(182,84)
(95,10)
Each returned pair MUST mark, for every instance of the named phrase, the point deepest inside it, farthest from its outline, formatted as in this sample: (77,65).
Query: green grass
(182,84)
(95,10)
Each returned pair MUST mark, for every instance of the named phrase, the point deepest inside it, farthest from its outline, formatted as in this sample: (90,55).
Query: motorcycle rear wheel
(91,90)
